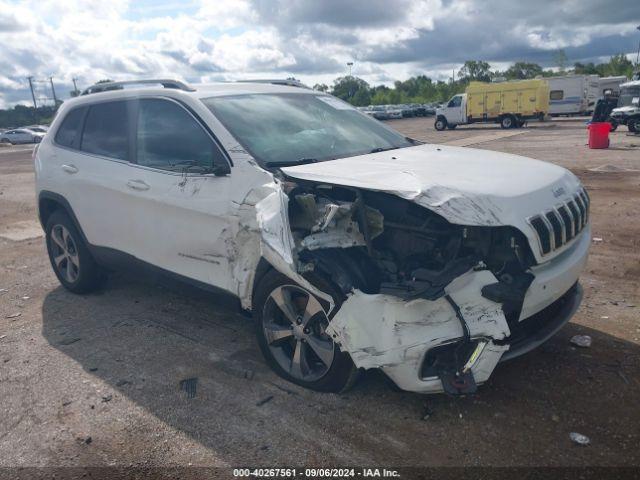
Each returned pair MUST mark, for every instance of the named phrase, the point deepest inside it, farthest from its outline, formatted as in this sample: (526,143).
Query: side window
(455,101)
(169,138)
(68,135)
(106,130)
(556,95)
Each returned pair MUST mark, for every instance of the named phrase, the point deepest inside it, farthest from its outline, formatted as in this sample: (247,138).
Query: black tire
(633,125)
(508,121)
(614,124)
(440,124)
(78,272)
(339,376)
(452,126)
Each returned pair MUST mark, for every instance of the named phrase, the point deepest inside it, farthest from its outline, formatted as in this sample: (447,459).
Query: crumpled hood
(466,186)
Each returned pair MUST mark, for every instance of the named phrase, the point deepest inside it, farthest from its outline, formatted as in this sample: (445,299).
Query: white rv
(572,94)
(610,83)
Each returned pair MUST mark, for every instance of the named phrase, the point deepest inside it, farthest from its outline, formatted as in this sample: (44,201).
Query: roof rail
(166,83)
(276,81)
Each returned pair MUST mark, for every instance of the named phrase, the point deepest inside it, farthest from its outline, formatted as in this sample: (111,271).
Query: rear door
(181,210)
(93,168)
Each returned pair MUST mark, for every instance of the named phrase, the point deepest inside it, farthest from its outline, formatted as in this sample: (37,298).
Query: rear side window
(169,138)
(106,130)
(556,95)
(68,135)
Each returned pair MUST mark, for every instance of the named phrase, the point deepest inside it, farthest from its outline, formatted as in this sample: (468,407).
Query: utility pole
(33,95)
(75,87)
(53,91)
(349,64)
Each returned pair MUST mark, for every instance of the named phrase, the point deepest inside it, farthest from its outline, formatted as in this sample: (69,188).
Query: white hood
(627,109)
(466,186)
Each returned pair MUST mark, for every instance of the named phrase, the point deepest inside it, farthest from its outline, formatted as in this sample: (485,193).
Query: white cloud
(310,39)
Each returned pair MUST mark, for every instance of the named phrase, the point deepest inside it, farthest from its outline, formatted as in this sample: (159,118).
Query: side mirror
(221,170)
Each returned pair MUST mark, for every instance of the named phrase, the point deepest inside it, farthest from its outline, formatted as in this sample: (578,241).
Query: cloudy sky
(204,41)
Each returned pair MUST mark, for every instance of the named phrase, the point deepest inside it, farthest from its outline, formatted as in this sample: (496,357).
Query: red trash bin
(599,134)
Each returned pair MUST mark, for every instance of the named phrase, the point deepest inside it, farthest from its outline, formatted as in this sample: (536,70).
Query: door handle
(138,185)
(70,168)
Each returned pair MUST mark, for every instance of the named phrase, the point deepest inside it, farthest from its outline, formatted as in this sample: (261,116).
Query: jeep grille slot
(566,220)
(576,216)
(558,226)
(557,229)
(544,234)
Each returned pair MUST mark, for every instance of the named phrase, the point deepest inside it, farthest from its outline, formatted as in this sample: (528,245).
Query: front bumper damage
(430,329)
(397,336)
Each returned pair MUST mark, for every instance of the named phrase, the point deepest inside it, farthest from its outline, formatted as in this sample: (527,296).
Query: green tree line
(422,89)
(21,115)
(419,89)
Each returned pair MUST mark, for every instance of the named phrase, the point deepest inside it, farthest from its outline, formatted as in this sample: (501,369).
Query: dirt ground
(96,380)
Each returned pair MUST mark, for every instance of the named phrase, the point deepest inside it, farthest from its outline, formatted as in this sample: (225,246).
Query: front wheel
(291,329)
(440,124)
(633,125)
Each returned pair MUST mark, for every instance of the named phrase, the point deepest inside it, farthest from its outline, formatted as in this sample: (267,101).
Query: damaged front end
(429,302)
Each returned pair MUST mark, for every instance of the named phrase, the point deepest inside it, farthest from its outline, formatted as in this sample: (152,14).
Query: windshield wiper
(290,163)
(380,149)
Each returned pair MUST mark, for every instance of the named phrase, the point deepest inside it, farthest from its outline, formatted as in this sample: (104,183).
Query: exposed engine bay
(379,244)
(402,248)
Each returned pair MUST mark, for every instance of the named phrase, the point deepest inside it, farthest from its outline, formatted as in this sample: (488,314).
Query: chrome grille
(558,226)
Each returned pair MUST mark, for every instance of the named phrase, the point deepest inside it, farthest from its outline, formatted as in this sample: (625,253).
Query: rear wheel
(507,122)
(440,124)
(633,125)
(71,261)
(290,326)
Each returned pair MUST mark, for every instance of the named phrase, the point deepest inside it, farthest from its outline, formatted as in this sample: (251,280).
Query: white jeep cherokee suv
(353,246)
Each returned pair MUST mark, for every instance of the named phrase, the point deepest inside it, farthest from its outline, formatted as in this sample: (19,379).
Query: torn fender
(384,331)
(264,232)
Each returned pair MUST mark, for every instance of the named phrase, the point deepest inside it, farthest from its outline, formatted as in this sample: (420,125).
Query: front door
(182,210)
(454,110)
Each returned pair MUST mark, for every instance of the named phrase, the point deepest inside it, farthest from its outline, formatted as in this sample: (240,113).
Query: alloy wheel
(294,324)
(65,253)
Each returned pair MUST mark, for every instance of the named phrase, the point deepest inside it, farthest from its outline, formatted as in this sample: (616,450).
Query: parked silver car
(21,135)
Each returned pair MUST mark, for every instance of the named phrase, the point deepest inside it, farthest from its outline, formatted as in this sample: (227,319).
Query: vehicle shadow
(148,339)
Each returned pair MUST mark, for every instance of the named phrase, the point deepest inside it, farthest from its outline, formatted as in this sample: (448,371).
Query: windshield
(286,129)
(629,96)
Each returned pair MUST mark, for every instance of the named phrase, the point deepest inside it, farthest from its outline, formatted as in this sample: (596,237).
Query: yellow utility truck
(510,104)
